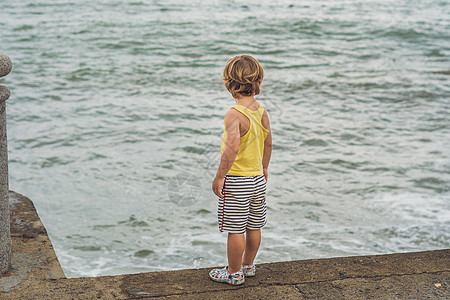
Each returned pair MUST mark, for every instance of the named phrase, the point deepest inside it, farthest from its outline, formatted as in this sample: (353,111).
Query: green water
(111,100)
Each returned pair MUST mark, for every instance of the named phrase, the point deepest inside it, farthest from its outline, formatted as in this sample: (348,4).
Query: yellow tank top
(248,161)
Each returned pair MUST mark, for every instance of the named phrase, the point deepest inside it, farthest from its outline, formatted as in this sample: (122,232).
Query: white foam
(420,208)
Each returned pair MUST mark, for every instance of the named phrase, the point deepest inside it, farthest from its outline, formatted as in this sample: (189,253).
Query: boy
(240,182)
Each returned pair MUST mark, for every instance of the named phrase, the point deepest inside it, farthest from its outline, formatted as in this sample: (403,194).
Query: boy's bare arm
(231,149)
(267,144)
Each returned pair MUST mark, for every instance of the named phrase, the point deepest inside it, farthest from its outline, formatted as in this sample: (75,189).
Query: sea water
(117,108)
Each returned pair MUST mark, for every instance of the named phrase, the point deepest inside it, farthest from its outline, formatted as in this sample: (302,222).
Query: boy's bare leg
(235,249)
(252,242)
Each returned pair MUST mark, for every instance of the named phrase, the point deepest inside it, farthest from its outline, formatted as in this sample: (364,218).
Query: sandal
(222,275)
(249,270)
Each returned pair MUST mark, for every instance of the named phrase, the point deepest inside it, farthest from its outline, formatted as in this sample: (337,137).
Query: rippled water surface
(112,100)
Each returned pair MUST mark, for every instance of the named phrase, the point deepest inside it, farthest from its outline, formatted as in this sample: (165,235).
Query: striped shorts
(243,205)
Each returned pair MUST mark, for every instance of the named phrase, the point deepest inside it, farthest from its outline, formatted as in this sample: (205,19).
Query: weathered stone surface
(410,286)
(5,239)
(5,65)
(4,93)
(32,254)
(416,275)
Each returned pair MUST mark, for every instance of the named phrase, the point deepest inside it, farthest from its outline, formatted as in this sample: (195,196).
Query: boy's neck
(245,100)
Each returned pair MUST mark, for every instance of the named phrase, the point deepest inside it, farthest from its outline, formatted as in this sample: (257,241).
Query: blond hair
(243,75)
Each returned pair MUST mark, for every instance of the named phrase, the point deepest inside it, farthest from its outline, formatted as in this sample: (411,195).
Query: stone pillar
(5,233)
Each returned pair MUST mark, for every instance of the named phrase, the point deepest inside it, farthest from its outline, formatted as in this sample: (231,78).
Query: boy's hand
(266,174)
(217,186)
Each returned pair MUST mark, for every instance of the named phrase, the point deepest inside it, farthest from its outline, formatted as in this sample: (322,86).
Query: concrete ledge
(32,254)
(417,275)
